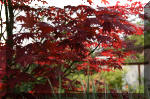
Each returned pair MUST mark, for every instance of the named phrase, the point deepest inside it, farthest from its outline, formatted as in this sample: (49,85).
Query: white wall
(132,74)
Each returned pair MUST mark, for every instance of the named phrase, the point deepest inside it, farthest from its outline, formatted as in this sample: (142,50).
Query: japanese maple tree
(61,42)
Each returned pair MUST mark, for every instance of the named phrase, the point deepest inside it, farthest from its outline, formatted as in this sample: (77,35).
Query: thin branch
(1,22)
(4,38)
(94,49)
(2,34)
(78,61)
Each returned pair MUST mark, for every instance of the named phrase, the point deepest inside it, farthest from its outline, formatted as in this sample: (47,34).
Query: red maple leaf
(105,1)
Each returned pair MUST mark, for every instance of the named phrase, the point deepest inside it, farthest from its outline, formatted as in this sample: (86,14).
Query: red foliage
(64,42)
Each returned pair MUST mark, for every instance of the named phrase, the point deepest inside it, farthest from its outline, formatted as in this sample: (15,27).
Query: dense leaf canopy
(61,41)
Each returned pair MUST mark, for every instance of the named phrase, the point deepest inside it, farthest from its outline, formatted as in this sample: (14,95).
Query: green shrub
(114,79)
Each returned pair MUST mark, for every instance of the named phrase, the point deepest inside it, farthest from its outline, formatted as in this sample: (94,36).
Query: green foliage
(114,78)
(140,89)
(138,38)
(24,87)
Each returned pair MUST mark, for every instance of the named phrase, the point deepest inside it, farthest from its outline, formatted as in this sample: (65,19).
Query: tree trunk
(9,30)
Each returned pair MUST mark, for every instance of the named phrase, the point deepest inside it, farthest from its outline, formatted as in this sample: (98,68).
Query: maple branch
(6,13)
(9,27)
(78,61)
(27,68)
(70,68)
(4,38)
(16,13)
(20,29)
(1,22)
(9,41)
(2,34)
(94,49)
